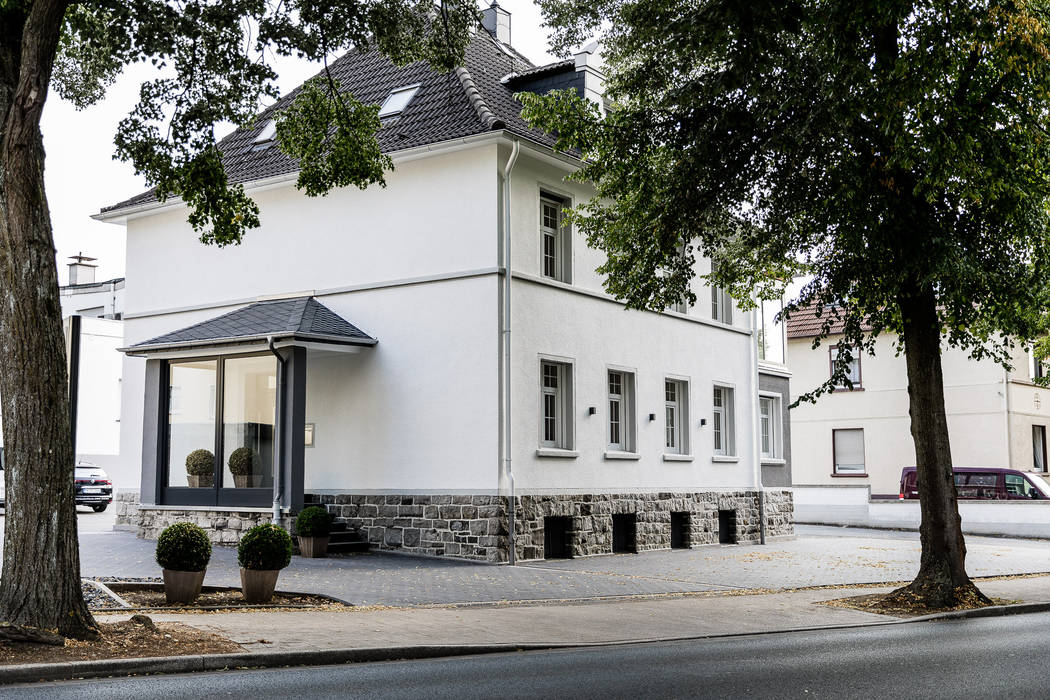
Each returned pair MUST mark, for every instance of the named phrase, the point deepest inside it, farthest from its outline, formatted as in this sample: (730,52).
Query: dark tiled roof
(809,323)
(539,71)
(447,106)
(303,318)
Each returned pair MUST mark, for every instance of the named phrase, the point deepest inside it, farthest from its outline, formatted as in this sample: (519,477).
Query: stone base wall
(126,504)
(224,527)
(476,527)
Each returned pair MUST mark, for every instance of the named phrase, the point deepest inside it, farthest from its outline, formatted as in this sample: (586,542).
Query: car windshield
(1040,485)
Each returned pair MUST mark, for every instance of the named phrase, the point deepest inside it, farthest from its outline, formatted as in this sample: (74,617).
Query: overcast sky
(81,175)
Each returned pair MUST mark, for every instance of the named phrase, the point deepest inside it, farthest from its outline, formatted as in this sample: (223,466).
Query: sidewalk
(658,617)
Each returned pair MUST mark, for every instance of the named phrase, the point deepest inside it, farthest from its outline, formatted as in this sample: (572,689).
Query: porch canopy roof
(297,321)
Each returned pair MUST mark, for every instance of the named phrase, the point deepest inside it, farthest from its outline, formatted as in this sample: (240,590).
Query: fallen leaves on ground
(123,640)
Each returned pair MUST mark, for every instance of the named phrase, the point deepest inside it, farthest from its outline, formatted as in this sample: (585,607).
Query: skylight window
(269,131)
(397,101)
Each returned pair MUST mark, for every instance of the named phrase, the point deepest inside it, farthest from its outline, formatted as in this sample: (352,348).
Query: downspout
(756,444)
(1006,398)
(507,275)
(278,462)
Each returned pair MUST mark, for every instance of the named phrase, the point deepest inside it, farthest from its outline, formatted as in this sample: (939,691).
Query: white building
(359,341)
(863,437)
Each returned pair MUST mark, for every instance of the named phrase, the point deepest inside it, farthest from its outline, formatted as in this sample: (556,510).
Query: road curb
(77,670)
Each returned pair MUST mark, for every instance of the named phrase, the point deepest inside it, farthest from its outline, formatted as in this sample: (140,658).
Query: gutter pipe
(507,275)
(278,447)
(756,444)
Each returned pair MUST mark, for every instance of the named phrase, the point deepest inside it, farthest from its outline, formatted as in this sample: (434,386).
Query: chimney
(497,21)
(81,271)
(589,65)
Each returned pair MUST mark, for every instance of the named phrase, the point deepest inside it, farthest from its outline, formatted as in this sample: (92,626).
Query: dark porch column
(153,426)
(293,429)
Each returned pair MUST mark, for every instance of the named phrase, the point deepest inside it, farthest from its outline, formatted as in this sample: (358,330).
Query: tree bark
(40,585)
(942,581)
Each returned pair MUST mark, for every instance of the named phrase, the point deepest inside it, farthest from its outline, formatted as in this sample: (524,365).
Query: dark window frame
(218,495)
(834,457)
(857,385)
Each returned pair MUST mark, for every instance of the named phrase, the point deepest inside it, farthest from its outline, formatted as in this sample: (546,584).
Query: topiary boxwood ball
(265,548)
(200,463)
(313,522)
(183,547)
(243,461)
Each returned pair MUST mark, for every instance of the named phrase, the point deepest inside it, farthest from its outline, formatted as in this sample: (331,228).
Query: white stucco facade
(992,415)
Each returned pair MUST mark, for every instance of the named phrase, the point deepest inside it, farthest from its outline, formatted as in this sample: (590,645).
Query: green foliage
(265,548)
(200,463)
(243,461)
(183,547)
(895,154)
(339,157)
(313,522)
(213,62)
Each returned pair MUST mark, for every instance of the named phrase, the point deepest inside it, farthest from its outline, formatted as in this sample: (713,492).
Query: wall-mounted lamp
(703,422)
(591,411)
(652,417)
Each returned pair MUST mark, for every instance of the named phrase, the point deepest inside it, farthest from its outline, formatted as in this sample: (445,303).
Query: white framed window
(721,305)
(397,101)
(555,240)
(769,426)
(620,434)
(848,451)
(722,427)
(556,404)
(854,372)
(676,416)
(1036,368)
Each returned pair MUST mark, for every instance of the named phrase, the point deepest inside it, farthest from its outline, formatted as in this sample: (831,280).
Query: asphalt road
(998,657)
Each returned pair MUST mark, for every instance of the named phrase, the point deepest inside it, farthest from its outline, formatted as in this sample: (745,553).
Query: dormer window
(397,101)
(265,137)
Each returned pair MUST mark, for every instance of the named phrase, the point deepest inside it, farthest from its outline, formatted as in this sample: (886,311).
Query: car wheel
(99,508)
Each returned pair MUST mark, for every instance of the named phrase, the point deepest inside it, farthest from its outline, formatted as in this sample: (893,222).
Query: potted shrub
(200,469)
(312,526)
(262,552)
(244,465)
(183,552)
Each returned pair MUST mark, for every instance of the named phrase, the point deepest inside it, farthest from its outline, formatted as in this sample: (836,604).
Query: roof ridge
(489,120)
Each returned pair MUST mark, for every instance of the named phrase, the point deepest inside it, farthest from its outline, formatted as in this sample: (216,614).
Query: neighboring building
(863,437)
(356,344)
(100,306)
(85,297)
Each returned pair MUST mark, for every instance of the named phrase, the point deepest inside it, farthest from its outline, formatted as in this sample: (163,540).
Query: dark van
(985,483)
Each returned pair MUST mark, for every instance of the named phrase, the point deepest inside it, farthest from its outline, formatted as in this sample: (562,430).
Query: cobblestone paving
(817,556)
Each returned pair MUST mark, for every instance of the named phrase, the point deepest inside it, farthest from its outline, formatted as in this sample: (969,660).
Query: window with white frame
(555,241)
(722,427)
(853,372)
(848,450)
(1036,367)
(676,416)
(721,305)
(556,404)
(621,411)
(769,426)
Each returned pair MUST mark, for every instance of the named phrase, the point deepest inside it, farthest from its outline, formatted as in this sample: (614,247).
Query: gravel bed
(95,598)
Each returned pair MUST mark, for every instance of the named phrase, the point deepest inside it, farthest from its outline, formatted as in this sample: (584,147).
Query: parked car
(985,483)
(93,487)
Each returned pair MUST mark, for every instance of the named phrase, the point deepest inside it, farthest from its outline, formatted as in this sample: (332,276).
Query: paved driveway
(817,556)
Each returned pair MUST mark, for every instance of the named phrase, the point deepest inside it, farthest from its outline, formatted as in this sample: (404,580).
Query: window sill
(678,458)
(557,453)
(842,389)
(614,454)
(849,476)
(773,461)
(725,458)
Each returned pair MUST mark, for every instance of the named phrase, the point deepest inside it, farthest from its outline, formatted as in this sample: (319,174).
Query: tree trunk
(40,586)
(942,581)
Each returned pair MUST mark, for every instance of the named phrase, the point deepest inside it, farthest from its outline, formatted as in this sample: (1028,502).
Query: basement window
(397,101)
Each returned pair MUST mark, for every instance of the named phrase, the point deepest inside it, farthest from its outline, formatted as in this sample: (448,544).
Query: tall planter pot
(313,547)
(257,584)
(182,586)
(247,481)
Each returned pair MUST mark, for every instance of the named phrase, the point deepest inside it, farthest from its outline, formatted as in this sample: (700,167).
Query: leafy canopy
(888,150)
(213,61)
